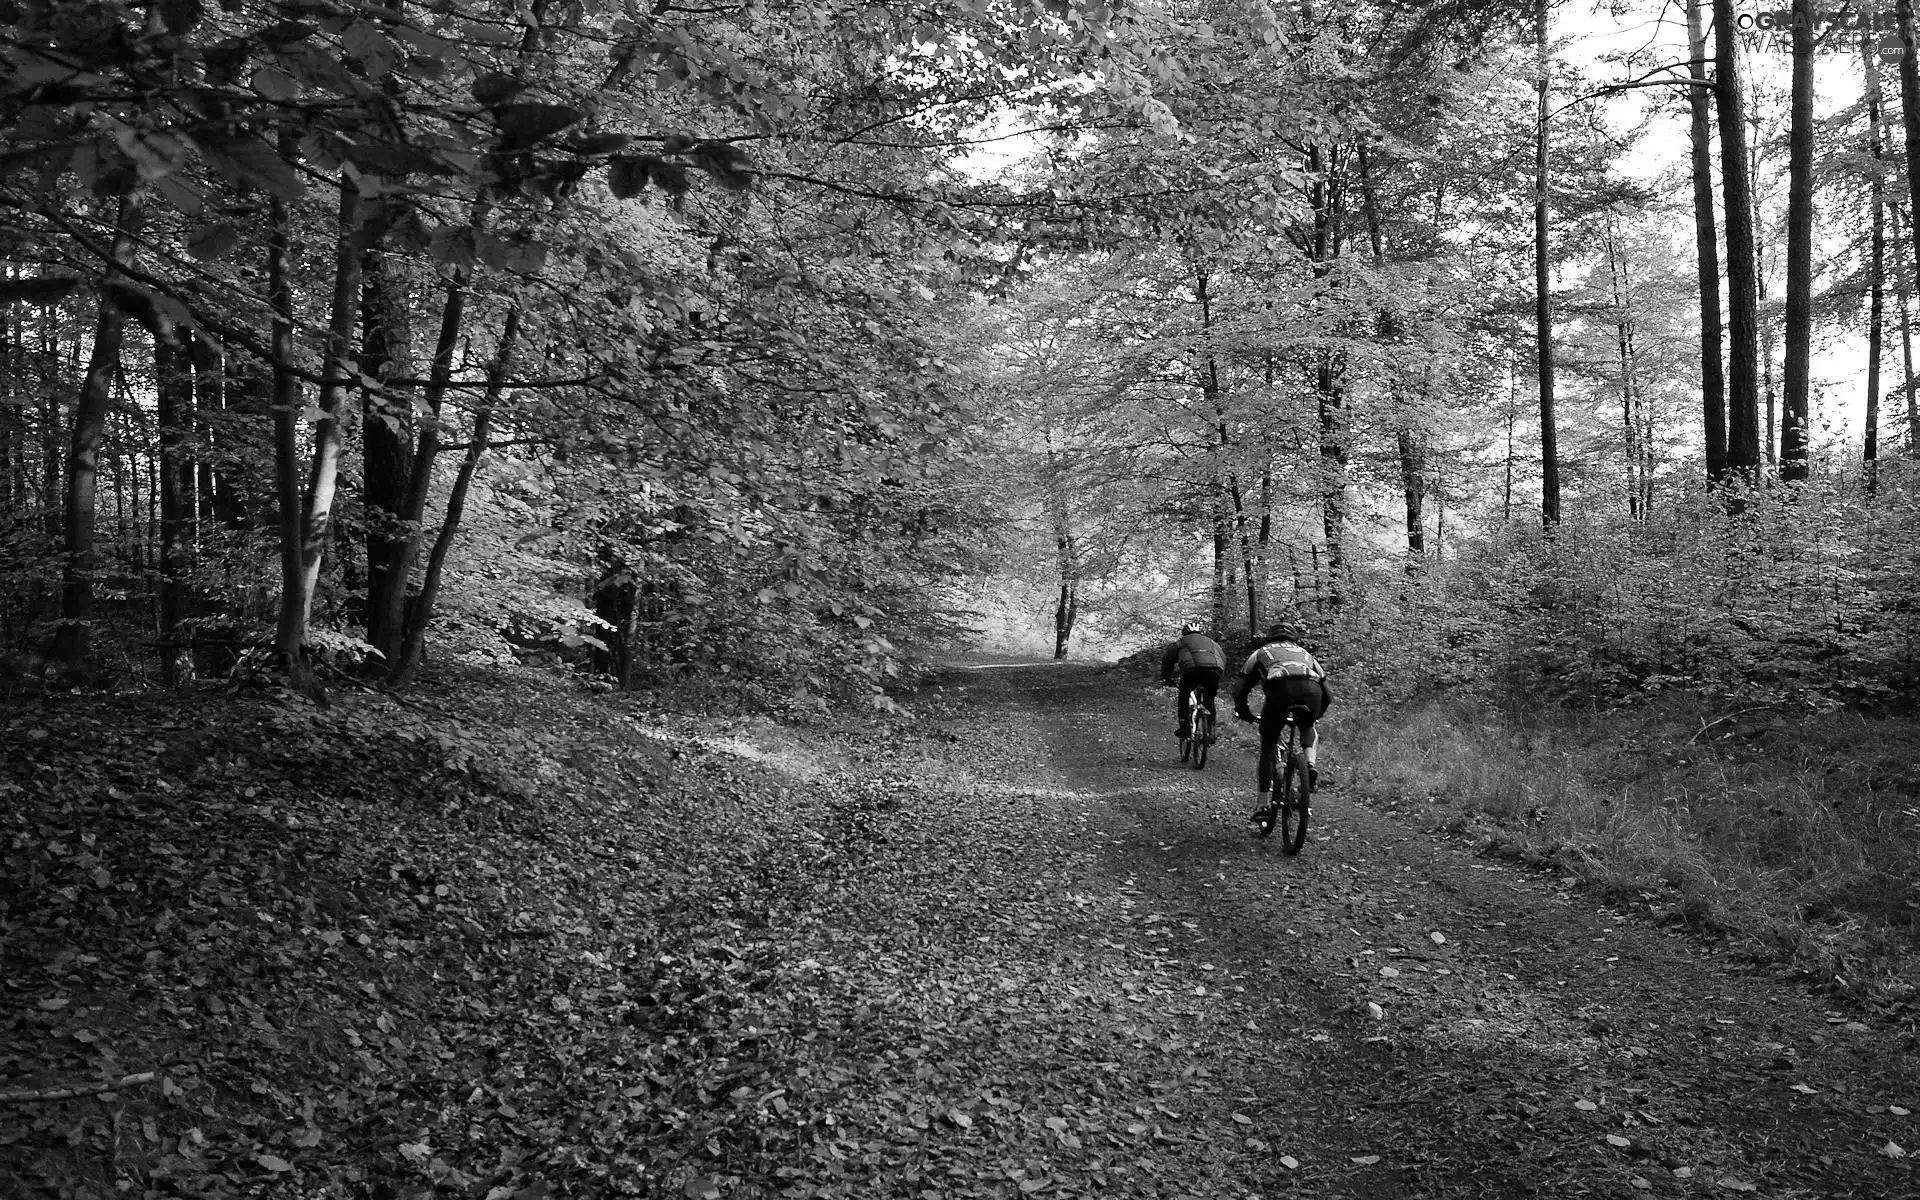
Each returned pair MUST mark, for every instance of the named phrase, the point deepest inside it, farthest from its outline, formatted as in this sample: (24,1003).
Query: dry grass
(1800,836)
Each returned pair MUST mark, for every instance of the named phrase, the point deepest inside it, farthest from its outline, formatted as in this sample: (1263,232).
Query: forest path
(1542,1044)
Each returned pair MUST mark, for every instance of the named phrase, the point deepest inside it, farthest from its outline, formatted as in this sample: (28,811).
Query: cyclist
(1289,675)
(1201,662)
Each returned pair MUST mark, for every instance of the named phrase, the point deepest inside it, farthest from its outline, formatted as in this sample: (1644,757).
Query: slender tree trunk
(1066,553)
(323,476)
(1222,552)
(1630,415)
(386,432)
(1329,389)
(1243,535)
(290,635)
(1713,383)
(1902,276)
(389,606)
(1799,301)
(1542,295)
(1413,484)
(72,640)
(1743,349)
(173,392)
(422,609)
(1513,420)
(1876,265)
(1910,114)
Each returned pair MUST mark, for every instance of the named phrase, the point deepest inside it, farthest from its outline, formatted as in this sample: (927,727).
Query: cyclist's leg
(1308,694)
(1207,683)
(1273,720)
(1186,714)
(1310,730)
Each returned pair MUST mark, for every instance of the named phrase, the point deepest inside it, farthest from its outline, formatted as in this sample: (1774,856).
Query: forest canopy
(792,341)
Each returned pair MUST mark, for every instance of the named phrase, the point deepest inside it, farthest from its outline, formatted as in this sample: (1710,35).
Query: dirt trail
(1531,1041)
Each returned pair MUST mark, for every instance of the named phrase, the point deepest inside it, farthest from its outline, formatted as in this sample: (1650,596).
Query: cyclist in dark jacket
(1200,662)
(1289,675)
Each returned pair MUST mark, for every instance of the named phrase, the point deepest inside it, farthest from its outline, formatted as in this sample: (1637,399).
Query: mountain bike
(1199,731)
(1287,806)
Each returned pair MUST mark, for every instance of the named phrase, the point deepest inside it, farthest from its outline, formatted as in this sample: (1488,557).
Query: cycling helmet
(1286,631)
(1190,625)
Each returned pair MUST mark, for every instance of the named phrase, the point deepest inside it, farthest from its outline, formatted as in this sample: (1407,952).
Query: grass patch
(1798,834)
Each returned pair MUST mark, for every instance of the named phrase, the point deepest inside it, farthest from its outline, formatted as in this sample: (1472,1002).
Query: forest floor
(510,940)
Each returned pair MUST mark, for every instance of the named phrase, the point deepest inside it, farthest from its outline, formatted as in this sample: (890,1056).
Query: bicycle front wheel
(1290,796)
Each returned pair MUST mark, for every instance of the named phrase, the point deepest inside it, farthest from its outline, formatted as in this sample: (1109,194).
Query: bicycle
(1290,792)
(1193,748)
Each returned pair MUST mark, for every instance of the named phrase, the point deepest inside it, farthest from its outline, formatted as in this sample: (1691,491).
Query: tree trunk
(1910,115)
(388,607)
(173,395)
(420,611)
(386,433)
(1902,277)
(1743,349)
(1713,383)
(1542,296)
(1066,609)
(1637,467)
(1413,483)
(290,635)
(1330,389)
(337,372)
(1876,266)
(1222,550)
(73,637)
(1799,332)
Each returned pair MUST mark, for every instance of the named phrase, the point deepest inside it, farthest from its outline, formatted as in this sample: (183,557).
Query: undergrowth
(1796,834)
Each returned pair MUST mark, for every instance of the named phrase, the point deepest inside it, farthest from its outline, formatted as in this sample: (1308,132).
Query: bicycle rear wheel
(1202,736)
(1291,794)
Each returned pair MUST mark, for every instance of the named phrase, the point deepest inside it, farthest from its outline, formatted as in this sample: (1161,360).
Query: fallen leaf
(1366,1160)
(1737,1185)
(702,1187)
(1375,1011)
(1897,1111)
(1893,1150)
(1289,1162)
(1389,973)
(1439,939)
(1242,1119)
(1803,1089)
(1585,1105)
(274,1163)
(1614,1139)
(1641,1184)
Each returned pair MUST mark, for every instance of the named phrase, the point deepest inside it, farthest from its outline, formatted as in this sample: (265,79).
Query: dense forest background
(1564,350)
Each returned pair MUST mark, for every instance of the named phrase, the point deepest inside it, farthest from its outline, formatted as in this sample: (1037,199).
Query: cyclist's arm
(1244,684)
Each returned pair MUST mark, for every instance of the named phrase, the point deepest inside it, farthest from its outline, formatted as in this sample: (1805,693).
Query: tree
(1713,387)
(1799,296)
(1743,344)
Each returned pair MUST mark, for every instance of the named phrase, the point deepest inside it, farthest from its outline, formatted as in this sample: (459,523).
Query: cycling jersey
(1279,660)
(1193,651)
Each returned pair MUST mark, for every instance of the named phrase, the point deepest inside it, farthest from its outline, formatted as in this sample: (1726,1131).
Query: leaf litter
(510,946)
